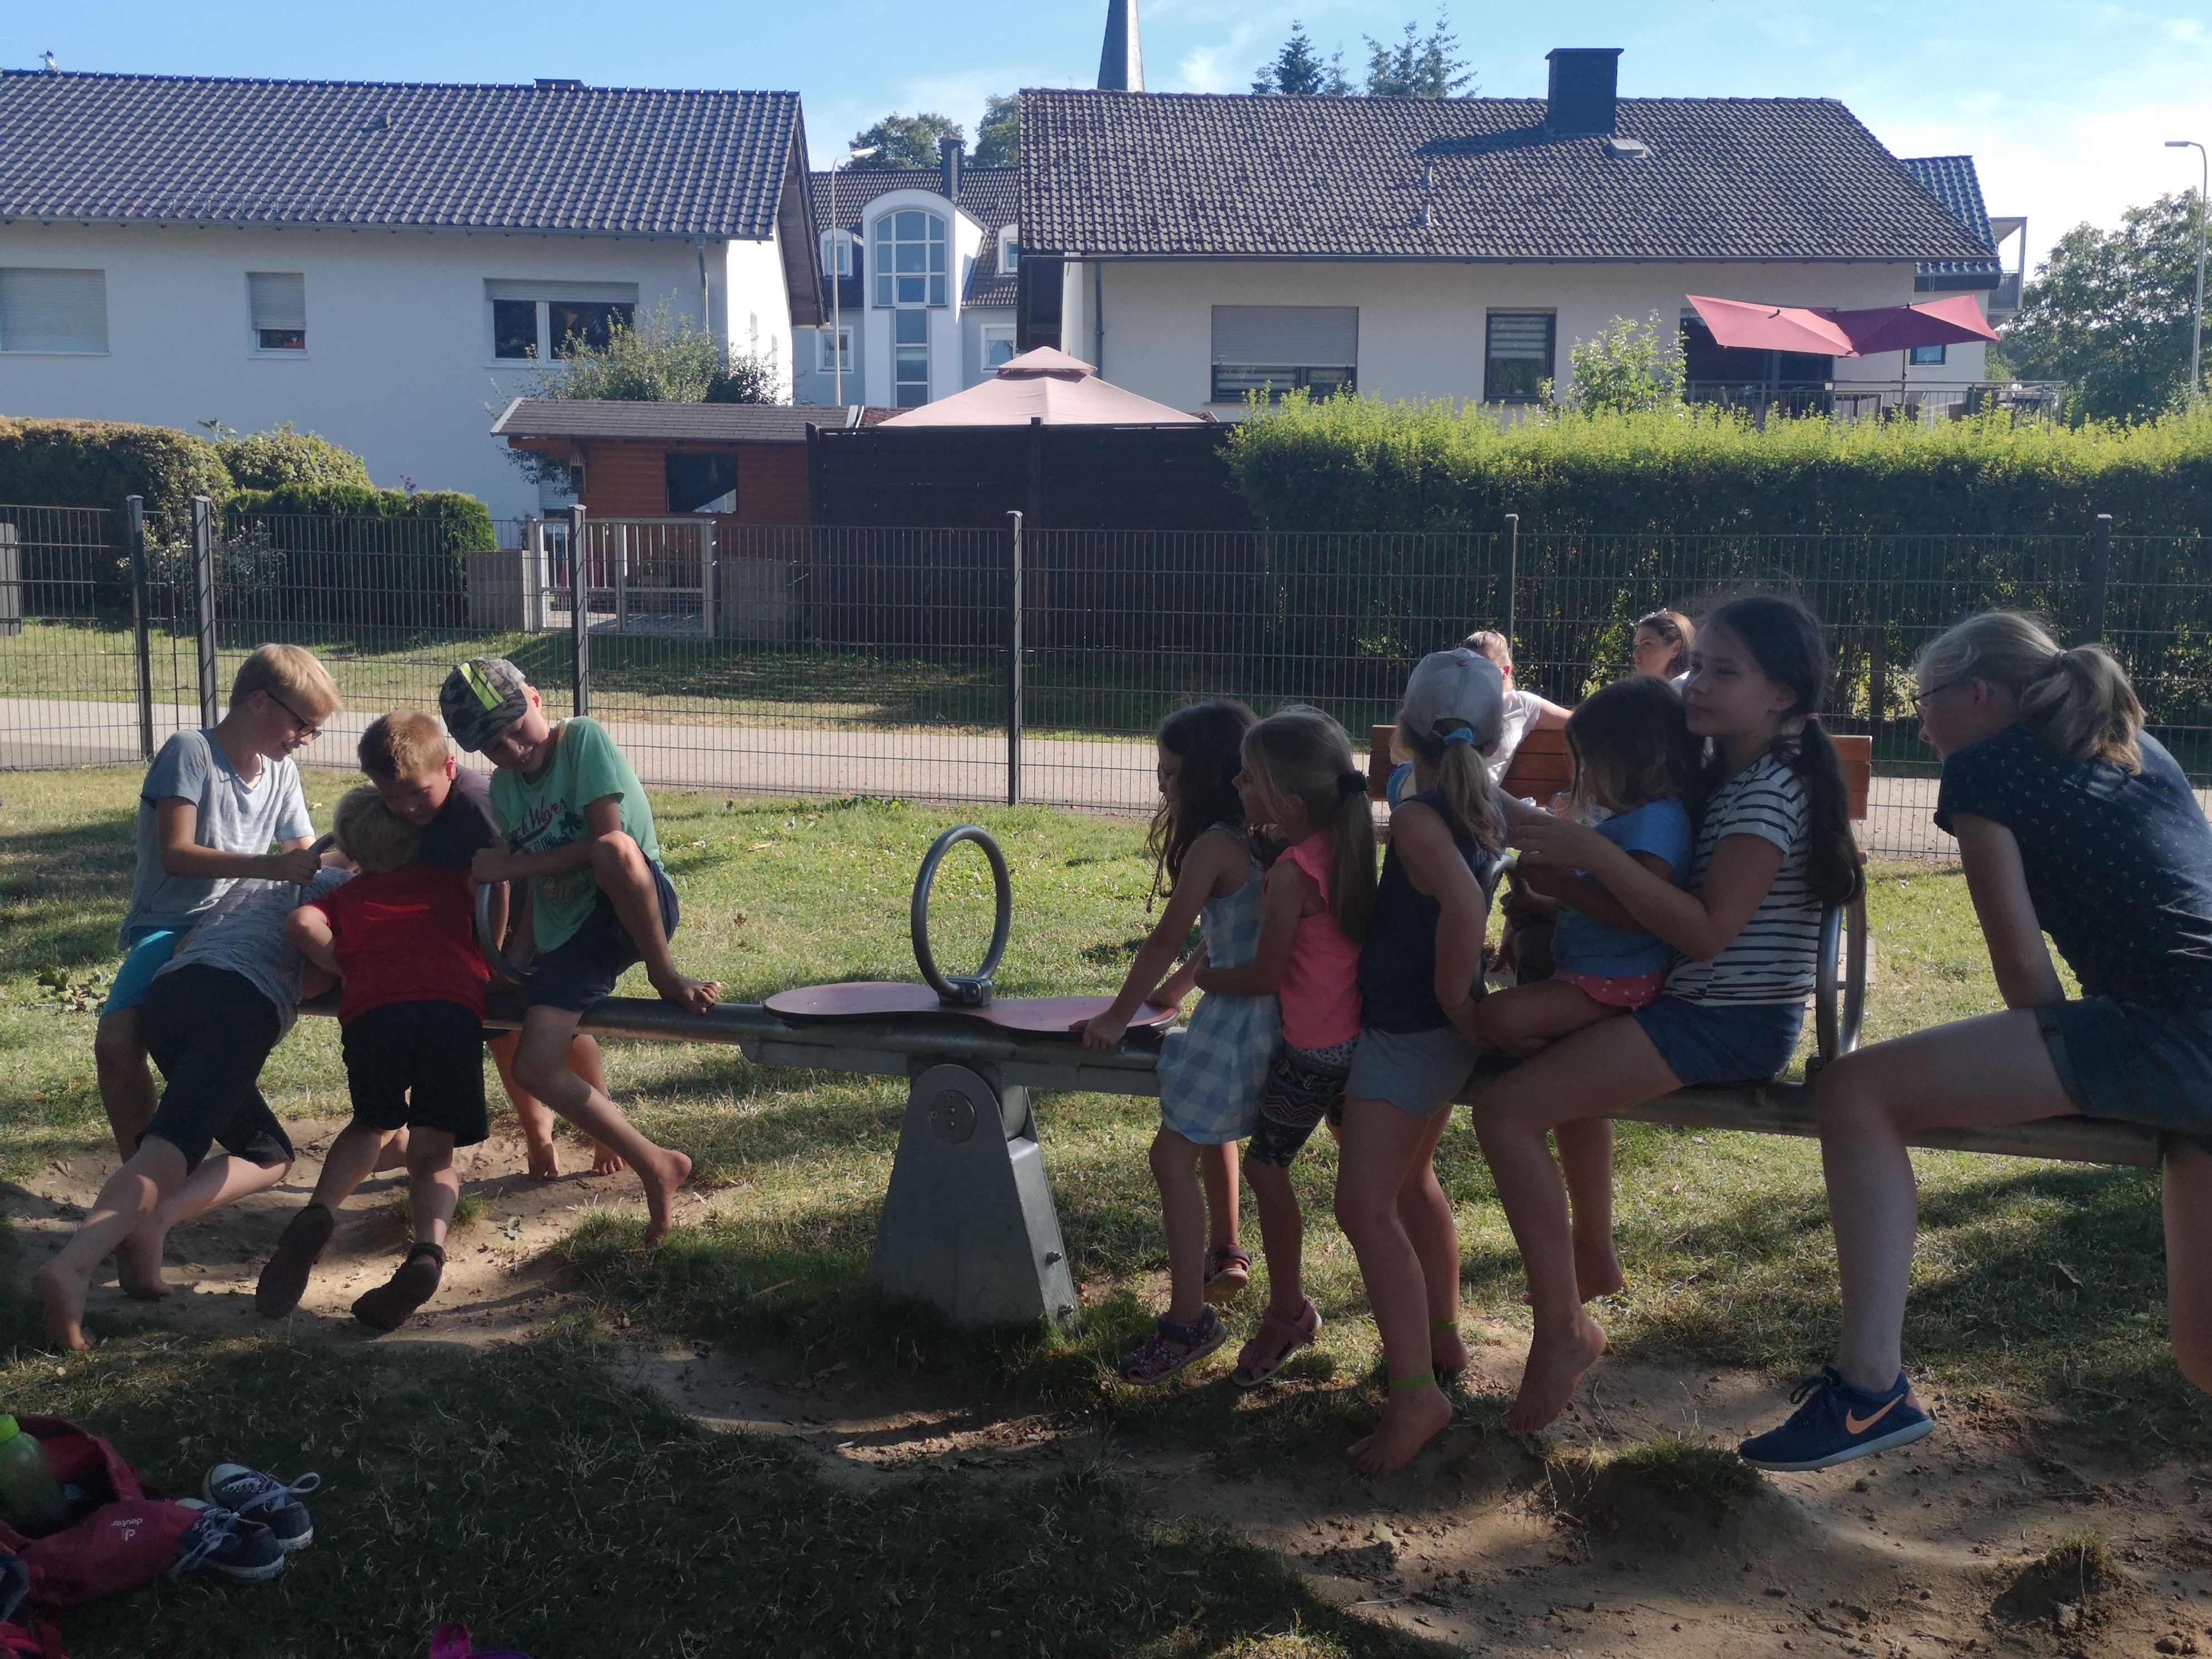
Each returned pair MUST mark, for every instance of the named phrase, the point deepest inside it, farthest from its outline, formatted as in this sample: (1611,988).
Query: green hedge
(98,463)
(460,523)
(281,456)
(1352,463)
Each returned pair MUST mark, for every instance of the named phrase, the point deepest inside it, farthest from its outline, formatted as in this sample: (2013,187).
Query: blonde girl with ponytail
(1420,970)
(2071,821)
(1299,779)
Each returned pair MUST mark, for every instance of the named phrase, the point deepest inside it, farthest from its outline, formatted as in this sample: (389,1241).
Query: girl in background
(1211,1071)
(1661,645)
(1636,763)
(1420,970)
(1299,779)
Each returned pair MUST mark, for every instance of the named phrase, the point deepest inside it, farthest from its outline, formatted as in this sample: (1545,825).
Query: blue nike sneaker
(1835,1423)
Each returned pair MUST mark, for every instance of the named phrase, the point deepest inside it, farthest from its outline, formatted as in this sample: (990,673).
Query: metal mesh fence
(830,662)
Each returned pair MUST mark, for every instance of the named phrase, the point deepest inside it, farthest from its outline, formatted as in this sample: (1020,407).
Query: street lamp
(841,251)
(2196,333)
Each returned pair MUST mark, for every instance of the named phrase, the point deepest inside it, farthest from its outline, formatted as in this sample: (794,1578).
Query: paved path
(1107,776)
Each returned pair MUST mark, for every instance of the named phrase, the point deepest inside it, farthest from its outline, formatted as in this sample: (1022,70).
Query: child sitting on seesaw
(407,757)
(401,939)
(1635,762)
(1211,1072)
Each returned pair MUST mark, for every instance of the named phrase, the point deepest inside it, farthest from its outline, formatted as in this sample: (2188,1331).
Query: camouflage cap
(481,698)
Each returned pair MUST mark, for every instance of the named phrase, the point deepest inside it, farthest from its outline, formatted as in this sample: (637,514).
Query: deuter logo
(128,1526)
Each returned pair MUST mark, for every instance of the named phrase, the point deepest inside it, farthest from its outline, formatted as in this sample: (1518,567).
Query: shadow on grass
(60,889)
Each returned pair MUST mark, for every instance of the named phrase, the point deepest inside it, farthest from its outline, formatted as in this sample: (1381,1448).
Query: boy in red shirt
(401,936)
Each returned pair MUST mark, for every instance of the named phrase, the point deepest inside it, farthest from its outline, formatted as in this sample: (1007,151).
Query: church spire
(1121,63)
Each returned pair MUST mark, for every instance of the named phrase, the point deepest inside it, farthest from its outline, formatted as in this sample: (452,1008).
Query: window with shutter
(278,303)
(1275,349)
(43,310)
(1519,357)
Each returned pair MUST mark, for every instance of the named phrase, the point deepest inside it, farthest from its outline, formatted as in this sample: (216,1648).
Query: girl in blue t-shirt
(2071,821)
(1635,764)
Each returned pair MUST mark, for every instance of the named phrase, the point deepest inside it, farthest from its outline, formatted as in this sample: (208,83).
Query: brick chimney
(1585,82)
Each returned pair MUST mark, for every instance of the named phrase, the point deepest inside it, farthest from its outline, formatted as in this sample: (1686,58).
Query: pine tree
(1417,68)
(1299,71)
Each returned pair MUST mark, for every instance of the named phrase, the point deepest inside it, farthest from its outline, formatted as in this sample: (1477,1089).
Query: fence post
(710,549)
(1014,667)
(1877,643)
(533,576)
(141,649)
(1512,573)
(2100,566)
(580,610)
(203,604)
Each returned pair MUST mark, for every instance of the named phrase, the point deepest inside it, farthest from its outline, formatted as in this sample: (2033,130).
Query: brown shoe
(284,1280)
(392,1303)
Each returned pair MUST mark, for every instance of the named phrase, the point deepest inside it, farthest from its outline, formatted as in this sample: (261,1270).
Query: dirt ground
(1480,1544)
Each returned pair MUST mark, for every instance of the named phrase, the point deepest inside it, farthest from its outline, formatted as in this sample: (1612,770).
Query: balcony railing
(1762,397)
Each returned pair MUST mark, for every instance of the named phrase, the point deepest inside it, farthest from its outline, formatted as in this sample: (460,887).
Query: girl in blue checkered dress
(1211,1071)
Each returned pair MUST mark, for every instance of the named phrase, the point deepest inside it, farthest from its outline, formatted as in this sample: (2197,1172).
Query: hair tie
(1813,718)
(1350,783)
(1461,734)
(2059,660)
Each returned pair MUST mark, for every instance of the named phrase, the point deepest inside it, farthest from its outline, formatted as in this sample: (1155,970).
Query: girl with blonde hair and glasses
(2071,821)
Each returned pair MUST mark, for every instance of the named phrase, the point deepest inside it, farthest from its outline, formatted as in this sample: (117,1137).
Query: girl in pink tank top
(1299,779)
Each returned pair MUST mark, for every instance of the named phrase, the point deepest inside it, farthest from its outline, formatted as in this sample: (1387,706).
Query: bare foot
(138,1265)
(63,1292)
(1548,1380)
(1409,1422)
(606,1160)
(661,1185)
(1595,1276)
(695,995)
(1447,1353)
(394,1155)
(544,1161)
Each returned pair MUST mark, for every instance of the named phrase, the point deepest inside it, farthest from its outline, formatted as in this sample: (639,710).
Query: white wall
(1421,326)
(398,366)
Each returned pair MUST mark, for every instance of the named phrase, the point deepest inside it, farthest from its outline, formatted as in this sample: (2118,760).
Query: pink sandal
(1228,1270)
(1252,1371)
(1170,1347)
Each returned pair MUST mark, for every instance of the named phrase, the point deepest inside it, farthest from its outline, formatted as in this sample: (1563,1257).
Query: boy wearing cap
(578,828)
(405,755)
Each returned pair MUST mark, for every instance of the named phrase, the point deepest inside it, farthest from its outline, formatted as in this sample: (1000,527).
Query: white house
(924,298)
(1198,247)
(1954,181)
(382,264)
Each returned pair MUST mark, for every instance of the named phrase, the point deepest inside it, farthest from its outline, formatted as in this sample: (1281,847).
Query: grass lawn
(522,1492)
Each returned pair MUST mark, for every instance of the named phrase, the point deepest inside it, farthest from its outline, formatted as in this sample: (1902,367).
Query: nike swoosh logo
(1854,1423)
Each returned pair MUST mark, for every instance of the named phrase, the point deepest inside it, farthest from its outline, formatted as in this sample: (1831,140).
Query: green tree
(1630,367)
(2108,312)
(1298,69)
(999,134)
(1416,68)
(904,141)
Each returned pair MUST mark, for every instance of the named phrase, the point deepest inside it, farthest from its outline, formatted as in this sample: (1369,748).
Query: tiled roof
(1951,180)
(561,417)
(1162,175)
(580,159)
(987,196)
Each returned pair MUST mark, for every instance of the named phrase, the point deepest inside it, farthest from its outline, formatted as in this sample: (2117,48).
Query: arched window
(909,258)
(838,253)
(1010,250)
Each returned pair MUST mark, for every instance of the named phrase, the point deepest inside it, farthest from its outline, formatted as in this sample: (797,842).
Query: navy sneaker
(1835,1423)
(258,1496)
(229,1544)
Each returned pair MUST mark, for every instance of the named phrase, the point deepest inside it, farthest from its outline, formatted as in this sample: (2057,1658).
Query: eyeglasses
(1920,698)
(307,729)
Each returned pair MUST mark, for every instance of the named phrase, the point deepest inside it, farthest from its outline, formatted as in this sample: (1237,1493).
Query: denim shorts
(2134,1064)
(1707,1043)
(1417,1072)
(580,972)
(149,954)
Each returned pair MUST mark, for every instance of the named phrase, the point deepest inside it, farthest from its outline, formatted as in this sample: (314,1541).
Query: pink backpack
(130,1538)
(452,1641)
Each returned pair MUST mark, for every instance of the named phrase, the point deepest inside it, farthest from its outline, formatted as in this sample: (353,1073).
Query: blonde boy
(421,779)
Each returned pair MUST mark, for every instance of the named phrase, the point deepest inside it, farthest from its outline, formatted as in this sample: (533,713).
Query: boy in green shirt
(578,828)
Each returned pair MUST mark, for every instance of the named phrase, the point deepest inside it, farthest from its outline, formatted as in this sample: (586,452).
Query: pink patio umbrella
(1845,333)
(1048,385)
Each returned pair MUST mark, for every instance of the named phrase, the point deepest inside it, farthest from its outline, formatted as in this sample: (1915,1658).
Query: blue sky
(2063,105)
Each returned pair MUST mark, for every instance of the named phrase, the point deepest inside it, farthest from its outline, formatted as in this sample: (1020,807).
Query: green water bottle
(32,1503)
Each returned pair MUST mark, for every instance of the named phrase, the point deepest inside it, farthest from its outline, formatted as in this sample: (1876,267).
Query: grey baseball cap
(1451,689)
(481,698)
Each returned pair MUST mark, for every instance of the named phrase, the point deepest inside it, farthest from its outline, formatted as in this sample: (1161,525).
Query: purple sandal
(1170,1347)
(1251,1370)
(1228,1270)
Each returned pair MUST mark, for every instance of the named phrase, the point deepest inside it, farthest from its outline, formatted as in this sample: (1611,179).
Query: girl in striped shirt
(1773,847)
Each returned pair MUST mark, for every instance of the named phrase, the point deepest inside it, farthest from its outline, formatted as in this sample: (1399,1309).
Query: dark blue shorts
(2133,1064)
(580,972)
(1705,1043)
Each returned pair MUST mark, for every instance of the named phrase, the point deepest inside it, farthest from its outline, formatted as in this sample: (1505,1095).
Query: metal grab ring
(493,956)
(971,990)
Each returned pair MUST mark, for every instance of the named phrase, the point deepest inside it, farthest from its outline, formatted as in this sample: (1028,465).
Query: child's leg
(220,1180)
(2189,1259)
(1217,1168)
(1282,1237)
(1383,1149)
(625,876)
(1611,1065)
(1989,1071)
(541,1064)
(353,1156)
(129,1197)
(435,1191)
(1182,1217)
(1523,1019)
(126,1082)
(1426,1215)
(529,1112)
